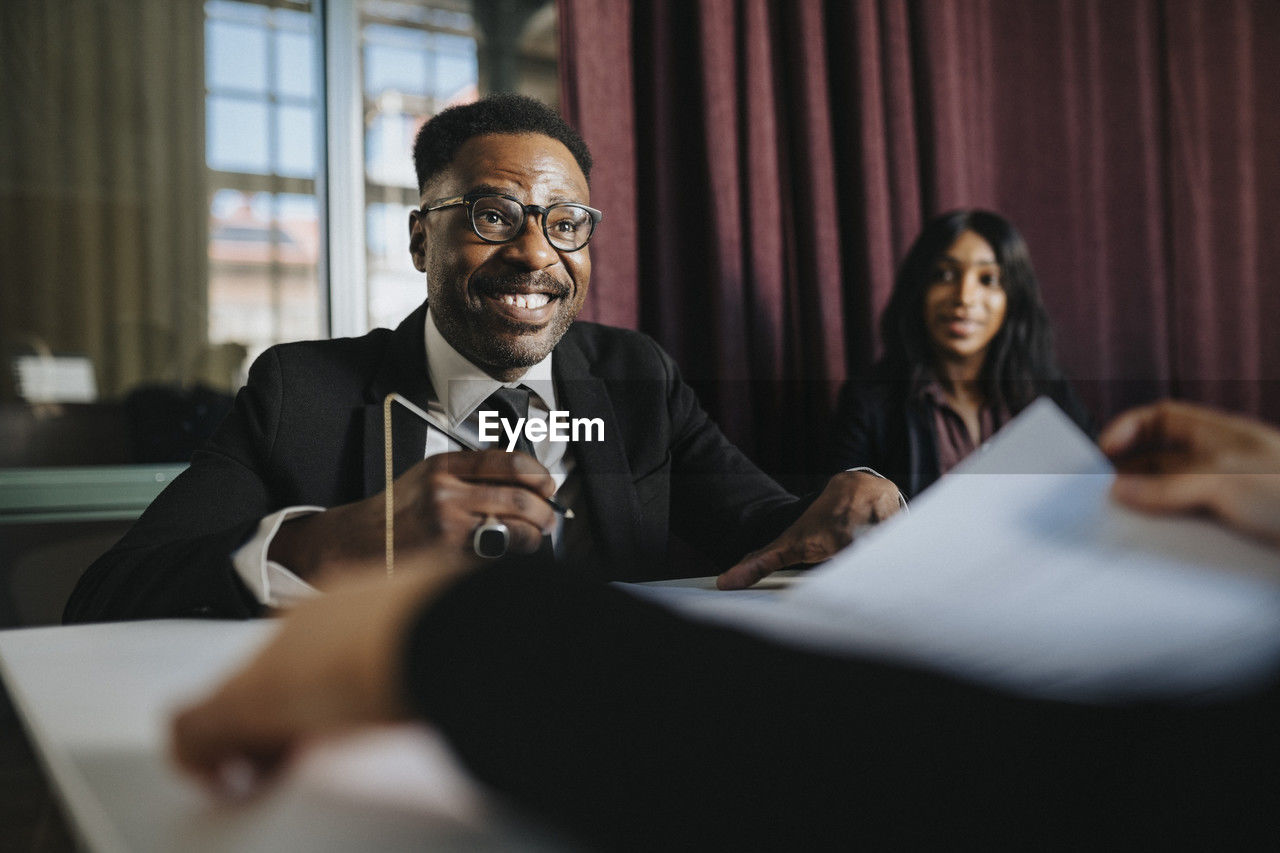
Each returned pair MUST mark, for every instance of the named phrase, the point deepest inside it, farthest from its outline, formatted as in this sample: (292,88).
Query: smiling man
(289,493)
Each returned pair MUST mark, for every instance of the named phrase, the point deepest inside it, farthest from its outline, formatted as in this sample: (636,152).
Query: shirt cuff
(902,500)
(271,583)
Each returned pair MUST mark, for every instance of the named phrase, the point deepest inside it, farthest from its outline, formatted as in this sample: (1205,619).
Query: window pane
(299,207)
(388,235)
(263,256)
(294,69)
(289,19)
(253,13)
(295,142)
(388,147)
(236,57)
(395,287)
(237,135)
(393,295)
(456,68)
(398,69)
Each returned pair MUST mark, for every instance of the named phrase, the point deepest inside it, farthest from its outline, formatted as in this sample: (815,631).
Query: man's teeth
(526,300)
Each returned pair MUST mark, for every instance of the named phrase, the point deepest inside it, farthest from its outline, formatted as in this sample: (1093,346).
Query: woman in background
(967,346)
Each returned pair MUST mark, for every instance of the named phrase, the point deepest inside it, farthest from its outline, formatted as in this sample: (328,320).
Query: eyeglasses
(500,219)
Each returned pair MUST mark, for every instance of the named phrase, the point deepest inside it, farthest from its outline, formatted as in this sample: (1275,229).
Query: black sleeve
(720,500)
(633,728)
(176,560)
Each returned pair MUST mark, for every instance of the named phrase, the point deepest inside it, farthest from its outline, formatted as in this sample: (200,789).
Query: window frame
(342,265)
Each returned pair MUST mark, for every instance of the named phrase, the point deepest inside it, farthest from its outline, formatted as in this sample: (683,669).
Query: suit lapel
(613,506)
(403,371)
(922,441)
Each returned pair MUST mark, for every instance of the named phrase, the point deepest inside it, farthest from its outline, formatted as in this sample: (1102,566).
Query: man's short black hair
(440,138)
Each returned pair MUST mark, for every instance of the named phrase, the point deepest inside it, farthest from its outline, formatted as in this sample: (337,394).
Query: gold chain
(388,481)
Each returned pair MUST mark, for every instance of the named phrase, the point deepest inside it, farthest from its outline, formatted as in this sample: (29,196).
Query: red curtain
(764,164)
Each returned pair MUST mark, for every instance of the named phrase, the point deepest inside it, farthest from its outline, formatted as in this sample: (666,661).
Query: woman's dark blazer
(879,423)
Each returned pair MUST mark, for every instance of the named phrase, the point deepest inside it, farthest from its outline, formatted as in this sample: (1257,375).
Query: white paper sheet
(1017,569)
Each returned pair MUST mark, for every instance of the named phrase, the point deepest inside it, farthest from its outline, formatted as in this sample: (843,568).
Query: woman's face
(964,302)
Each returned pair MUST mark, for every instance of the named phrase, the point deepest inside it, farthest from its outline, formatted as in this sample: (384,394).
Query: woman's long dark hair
(1020,362)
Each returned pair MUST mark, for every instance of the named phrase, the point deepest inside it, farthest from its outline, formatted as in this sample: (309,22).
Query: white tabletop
(97,699)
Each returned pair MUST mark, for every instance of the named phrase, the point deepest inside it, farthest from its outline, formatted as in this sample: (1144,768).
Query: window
(168,201)
(262,148)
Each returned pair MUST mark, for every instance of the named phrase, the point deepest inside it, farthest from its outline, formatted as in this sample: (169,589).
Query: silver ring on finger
(491,538)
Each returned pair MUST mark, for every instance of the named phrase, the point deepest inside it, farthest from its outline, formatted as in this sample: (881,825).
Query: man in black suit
(291,486)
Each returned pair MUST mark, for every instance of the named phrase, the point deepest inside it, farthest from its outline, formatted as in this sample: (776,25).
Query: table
(96,702)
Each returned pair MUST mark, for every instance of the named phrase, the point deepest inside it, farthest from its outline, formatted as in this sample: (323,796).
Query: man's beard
(469,329)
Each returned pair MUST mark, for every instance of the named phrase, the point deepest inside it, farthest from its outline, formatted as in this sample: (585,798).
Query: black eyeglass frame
(525,209)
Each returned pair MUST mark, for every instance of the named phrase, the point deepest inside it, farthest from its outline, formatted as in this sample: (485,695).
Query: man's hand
(438,503)
(1176,457)
(331,667)
(851,499)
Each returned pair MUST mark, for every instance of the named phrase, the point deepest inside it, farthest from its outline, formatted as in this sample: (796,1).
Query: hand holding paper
(1175,457)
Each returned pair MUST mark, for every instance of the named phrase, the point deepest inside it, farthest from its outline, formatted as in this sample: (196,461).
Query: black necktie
(512,406)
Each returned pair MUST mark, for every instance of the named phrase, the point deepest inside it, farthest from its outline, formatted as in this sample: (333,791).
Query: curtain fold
(1222,166)
(605,77)
(879,157)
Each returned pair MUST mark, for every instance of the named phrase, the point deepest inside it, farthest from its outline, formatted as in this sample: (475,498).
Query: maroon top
(950,433)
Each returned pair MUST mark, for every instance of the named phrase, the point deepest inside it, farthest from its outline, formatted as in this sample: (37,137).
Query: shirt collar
(933,392)
(461,387)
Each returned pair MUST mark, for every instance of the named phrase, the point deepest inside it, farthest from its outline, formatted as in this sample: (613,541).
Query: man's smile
(526,309)
(532,300)
(526,300)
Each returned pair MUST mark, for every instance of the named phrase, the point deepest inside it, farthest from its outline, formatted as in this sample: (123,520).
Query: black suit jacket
(639,729)
(881,425)
(307,429)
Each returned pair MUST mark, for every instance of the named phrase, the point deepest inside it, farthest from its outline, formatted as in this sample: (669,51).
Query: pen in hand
(465,443)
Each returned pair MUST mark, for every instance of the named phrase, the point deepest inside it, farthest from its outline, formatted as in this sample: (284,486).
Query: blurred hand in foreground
(332,666)
(1174,457)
